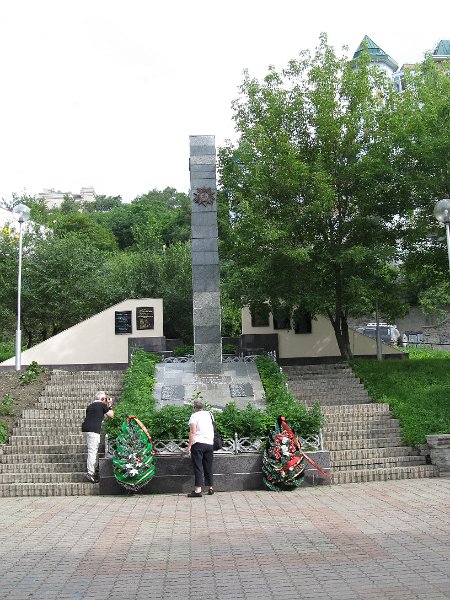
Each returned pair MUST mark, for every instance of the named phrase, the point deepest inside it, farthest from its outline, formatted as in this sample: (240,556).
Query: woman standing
(200,447)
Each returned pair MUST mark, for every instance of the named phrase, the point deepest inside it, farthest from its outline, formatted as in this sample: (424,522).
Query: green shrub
(31,374)
(137,397)
(7,350)
(184,350)
(3,432)
(6,405)
(229,348)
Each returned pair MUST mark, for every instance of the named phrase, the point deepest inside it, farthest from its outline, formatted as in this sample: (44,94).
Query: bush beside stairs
(364,440)
(46,454)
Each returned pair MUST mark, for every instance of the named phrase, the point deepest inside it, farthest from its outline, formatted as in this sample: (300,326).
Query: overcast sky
(105,93)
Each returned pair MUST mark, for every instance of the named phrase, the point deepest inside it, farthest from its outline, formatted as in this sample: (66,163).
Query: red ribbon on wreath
(294,461)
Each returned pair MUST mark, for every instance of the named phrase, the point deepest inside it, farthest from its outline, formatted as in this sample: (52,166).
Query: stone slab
(203,218)
(206,300)
(241,390)
(202,150)
(207,170)
(208,335)
(205,232)
(204,244)
(206,317)
(203,182)
(202,160)
(205,278)
(202,140)
(172,392)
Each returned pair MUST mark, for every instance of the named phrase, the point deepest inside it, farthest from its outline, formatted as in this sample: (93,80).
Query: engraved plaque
(122,321)
(145,317)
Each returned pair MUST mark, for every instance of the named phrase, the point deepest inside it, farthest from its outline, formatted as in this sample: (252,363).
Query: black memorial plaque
(122,322)
(145,317)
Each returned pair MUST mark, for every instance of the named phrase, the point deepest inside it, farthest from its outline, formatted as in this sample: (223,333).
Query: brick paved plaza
(384,540)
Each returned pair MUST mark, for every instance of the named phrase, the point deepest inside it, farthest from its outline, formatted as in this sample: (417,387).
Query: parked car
(389,333)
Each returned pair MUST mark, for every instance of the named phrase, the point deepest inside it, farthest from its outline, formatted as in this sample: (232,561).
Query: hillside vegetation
(417,390)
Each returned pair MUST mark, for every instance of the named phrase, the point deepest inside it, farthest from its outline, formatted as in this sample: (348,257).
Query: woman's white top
(204,431)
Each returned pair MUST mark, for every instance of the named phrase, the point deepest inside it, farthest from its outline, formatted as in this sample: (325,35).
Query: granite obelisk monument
(205,256)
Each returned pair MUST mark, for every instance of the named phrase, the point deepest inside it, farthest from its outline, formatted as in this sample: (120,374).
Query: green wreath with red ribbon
(283,459)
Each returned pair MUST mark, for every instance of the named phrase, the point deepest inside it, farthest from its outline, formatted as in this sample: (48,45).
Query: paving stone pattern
(364,440)
(374,541)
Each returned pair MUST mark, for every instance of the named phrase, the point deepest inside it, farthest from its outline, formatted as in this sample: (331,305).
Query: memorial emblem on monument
(204,196)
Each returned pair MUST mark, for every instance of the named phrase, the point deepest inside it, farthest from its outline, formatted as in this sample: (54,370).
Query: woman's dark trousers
(202,461)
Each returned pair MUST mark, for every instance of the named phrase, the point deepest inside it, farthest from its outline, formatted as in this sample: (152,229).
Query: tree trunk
(340,327)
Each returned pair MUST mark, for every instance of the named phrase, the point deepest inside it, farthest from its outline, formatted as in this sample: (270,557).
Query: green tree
(422,156)
(314,224)
(63,284)
(75,222)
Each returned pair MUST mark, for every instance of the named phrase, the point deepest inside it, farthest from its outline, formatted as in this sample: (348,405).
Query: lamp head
(21,213)
(442,210)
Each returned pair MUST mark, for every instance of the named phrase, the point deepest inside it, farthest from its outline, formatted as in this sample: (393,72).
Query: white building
(55,198)
(380,58)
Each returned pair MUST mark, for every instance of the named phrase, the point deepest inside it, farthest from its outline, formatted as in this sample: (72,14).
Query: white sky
(105,93)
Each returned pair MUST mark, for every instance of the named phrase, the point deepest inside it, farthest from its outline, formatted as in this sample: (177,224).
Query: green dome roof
(376,53)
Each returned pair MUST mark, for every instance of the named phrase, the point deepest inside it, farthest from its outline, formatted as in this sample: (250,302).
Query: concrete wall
(320,343)
(94,341)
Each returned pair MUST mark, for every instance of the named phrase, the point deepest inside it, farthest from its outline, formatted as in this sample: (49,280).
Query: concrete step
(49,428)
(360,434)
(65,405)
(323,402)
(361,423)
(42,458)
(21,477)
(44,467)
(40,448)
(387,474)
(75,392)
(378,463)
(53,413)
(13,490)
(46,440)
(62,420)
(352,444)
(319,368)
(370,453)
(348,410)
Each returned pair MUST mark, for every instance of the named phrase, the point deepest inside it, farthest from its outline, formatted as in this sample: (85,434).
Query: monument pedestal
(239,382)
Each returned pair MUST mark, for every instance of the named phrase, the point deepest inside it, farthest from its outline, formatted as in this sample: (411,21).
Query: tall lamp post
(21,213)
(442,214)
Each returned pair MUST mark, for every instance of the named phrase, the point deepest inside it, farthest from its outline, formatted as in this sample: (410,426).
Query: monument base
(174,474)
(177,383)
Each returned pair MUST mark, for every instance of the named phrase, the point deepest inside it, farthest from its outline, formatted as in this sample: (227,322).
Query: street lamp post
(442,214)
(21,213)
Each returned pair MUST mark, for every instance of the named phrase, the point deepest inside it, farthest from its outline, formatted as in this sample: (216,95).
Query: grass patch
(417,390)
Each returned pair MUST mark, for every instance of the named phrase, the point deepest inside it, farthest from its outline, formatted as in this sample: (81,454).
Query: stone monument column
(205,256)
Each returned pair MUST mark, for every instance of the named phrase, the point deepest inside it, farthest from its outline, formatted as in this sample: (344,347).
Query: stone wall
(232,472)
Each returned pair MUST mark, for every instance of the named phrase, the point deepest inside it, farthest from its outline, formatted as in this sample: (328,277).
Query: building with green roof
(442,51)
(378,56)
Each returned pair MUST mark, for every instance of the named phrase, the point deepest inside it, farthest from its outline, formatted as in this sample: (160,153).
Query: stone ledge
(236,472)
(440,452)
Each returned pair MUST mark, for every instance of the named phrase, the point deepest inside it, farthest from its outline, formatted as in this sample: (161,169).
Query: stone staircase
(46,454)
(365,442)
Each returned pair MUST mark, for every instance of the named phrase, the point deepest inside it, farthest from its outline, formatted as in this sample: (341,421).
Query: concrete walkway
(382,540)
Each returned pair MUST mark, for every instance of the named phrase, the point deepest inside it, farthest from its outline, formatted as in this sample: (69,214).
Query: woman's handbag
(218,440)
